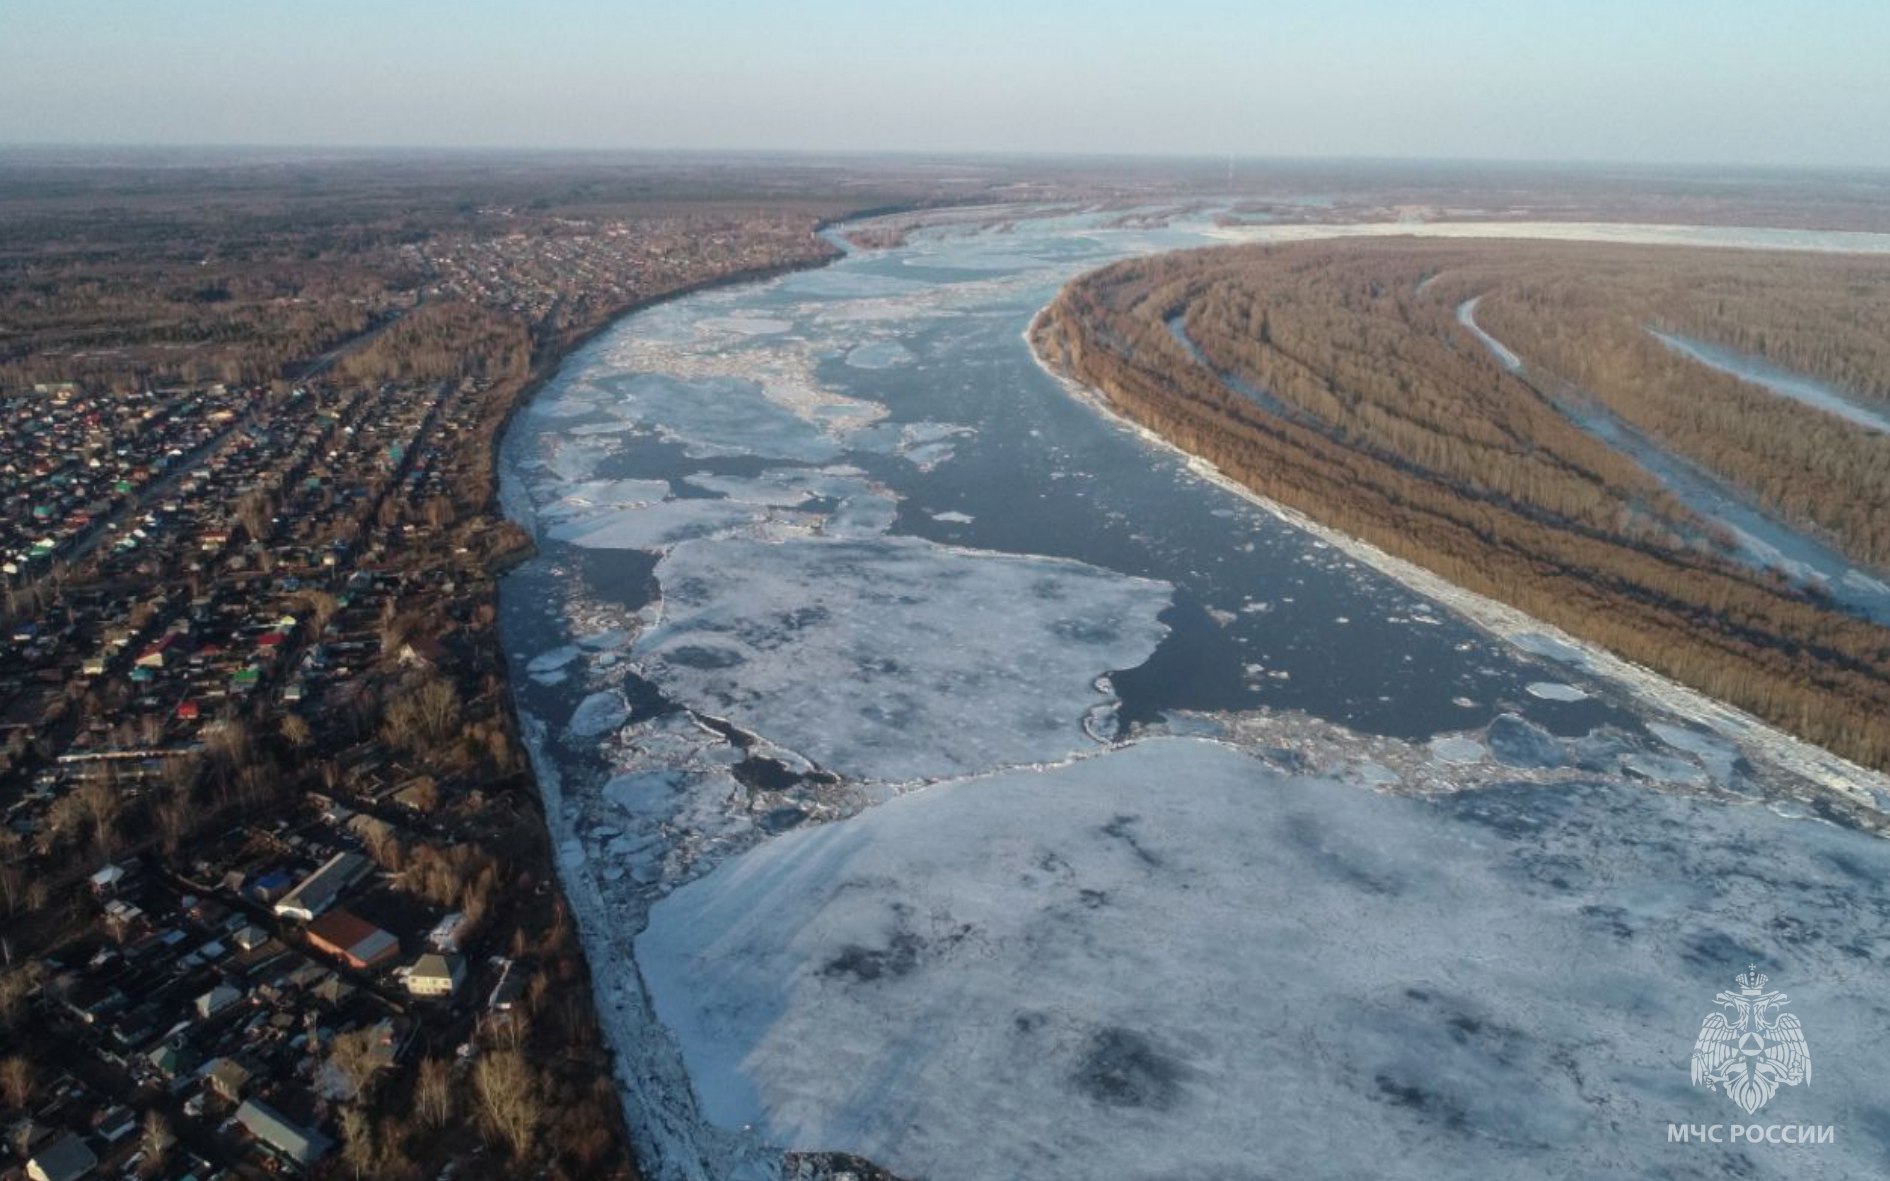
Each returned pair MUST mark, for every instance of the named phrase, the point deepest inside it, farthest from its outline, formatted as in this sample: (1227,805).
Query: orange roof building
(353,940)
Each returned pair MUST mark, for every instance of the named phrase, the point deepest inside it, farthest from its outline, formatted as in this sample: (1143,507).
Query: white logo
(1750,1047)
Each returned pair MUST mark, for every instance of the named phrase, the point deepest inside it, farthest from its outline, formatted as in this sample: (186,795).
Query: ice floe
(896,658)
(598,714)
(1456,748)
(1170,961)
(1555,691)
(659,526)
(880,354)
(715,416)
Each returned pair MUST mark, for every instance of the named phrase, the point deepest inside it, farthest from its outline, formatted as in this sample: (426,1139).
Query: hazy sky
(1736,81)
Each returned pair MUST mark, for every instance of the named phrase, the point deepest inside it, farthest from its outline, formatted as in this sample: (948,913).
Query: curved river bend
(946,774)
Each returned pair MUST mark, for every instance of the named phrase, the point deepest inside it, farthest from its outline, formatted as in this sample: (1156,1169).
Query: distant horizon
(960,155)
(1713,83)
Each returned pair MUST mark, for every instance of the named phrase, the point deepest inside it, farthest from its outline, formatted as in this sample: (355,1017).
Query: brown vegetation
(1326,380)
(1583,317)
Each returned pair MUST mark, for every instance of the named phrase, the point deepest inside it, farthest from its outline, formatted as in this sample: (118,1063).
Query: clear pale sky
(1796,82)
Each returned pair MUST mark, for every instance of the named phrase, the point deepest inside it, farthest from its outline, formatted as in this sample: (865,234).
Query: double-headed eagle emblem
(1750,1047)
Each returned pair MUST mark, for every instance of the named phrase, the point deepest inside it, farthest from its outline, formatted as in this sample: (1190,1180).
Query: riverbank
(1867,791)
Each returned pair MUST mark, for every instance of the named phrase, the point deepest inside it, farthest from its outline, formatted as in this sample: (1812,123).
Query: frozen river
(947,774)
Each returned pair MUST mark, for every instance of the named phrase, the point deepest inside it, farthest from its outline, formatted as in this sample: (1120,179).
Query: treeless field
(1335,378)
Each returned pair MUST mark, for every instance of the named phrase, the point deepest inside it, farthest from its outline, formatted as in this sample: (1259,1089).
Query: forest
(1336,378)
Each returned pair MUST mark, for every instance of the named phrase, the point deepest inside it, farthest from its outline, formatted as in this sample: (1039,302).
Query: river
(947,773)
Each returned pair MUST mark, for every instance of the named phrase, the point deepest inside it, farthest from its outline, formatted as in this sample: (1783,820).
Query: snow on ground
(1467,316)
(895,658)
(1168,961)
(1783,382)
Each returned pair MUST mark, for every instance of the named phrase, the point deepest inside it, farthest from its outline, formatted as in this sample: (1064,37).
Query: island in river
(1582,464)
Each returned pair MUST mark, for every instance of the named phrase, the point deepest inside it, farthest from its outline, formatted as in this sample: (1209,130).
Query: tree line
(1391,423)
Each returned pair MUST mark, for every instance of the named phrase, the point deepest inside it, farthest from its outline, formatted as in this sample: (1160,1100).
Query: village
(219,991)
(276,895)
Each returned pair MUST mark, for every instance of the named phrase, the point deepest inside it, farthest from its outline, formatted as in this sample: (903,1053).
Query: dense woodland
(1583,317)
(1334,378)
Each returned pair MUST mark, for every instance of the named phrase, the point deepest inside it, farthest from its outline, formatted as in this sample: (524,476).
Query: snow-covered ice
(1555,691)
(598,714)
(1168,961)
(553,660)
(1458,748)
(895,658)
(1780,381)
(658,526)
(726,416)
(1467,316)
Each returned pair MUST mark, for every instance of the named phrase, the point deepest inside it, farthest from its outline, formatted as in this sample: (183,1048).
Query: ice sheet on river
(1168,961)
(726,416)
(659,526)
(895,658)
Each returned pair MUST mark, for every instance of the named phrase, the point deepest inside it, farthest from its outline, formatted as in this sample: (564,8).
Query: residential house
(436,974)
(65,1158)
(317,892)
(298,1145)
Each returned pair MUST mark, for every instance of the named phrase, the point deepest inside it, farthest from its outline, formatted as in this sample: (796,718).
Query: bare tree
(16,1082)
(425,717)
(174,818)
(89,809)
(227,742)
(356,1055)
(321,608)
(254,512)
(158,1139)
(438,703)
(509,1098)
(433,1092)
(16,986)
(357,1140)
(12,887)
(296,731)
(101,802)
